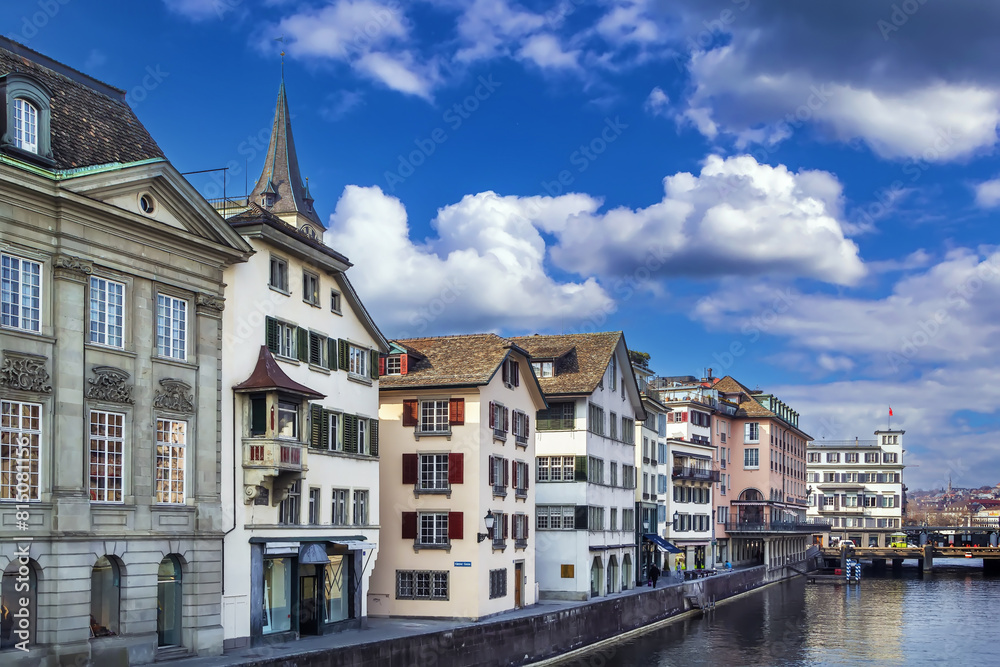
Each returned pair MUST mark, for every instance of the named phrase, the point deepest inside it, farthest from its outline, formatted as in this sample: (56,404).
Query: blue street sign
(463,563)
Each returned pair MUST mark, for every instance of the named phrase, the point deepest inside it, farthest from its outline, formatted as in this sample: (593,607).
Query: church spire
(280,188)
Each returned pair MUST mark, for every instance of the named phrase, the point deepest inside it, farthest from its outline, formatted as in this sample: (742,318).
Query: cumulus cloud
(988,193)
(737,217)
(484,270)
(657,103)
(200,10)
(760,70)
(546,52)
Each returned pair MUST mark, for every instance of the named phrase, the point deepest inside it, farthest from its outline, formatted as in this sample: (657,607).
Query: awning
(661,543)
(313,553)
(355,545)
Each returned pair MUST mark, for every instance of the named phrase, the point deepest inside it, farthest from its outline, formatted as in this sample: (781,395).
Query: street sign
(463,563)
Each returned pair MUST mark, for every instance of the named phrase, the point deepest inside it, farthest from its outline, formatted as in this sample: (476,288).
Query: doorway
(518,584)
(309,607)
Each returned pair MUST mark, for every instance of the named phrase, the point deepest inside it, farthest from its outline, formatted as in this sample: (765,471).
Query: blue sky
(803,195)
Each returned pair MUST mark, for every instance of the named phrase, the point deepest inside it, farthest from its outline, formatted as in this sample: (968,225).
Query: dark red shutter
(403,363)
(456,411)
(527,476)
(492,416)
(506,472)
(410,467)
(505,526)
(456,468)
(410,411)
(684,416)
(516,466)
(492,476)
(526,524)
(456,527)
(381,366)
(503,372)
(517,374)
(506,419)
(409,525)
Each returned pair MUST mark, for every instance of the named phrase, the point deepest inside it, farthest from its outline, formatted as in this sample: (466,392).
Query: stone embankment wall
(523,640)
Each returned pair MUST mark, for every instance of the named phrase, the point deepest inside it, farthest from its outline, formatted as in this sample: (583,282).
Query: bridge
(925,555)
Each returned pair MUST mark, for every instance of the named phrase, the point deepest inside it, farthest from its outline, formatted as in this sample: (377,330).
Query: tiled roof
(257,215)
(748,406)
(91,123)
(450,361)
(268,376)
(582,367)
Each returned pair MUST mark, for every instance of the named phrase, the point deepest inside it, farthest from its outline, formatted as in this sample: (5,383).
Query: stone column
(67,466)
(205,459)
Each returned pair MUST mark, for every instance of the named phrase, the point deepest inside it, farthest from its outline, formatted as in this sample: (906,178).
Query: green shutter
(581,469)
(324,433)
(373,435)
(342,358)
(373,364)
(271,334)
(302,353)
(331,353)
(316,425)
(350,433)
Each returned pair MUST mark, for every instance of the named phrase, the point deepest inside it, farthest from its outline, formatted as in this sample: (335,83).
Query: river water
(947,616)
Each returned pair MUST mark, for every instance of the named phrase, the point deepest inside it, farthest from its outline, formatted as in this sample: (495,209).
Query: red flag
(890,410)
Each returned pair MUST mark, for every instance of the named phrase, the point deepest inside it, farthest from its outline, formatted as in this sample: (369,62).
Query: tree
(639,358)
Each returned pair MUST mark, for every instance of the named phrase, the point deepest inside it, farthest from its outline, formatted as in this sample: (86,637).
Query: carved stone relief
(25,372)
(175,396)
(110,384)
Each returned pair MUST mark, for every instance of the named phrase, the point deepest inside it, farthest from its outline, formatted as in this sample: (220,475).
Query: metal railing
(697,474)
(775,527)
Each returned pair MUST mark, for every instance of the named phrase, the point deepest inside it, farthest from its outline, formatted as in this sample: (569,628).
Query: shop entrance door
(308,605)
(518,585)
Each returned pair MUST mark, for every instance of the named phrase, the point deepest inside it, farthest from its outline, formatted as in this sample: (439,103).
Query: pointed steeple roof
(281,179)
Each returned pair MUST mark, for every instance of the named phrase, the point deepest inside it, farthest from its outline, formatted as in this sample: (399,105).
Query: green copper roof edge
(65,174)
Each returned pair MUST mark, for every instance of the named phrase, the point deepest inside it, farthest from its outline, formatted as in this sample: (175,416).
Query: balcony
(281,461)
(758,527)
(695,474)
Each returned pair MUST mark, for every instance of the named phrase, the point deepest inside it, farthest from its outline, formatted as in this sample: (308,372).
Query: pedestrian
(654,574)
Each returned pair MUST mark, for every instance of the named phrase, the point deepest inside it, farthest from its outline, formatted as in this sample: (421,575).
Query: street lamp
(489,521)
(677,518)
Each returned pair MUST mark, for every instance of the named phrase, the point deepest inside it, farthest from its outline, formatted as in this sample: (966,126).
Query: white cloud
(483,271)
(658,103)
(340,103)
(490,28)
(200,10)
(546,52)
(737,217)
(988,193)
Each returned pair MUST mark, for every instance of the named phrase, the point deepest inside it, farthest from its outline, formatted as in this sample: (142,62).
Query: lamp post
(489,520)
(649,550)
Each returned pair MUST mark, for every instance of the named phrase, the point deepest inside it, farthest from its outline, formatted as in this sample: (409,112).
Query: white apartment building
(857,486)
(300,430)
(585,464)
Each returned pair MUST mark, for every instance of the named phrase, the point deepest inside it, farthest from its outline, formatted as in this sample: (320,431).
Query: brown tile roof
(581,369)
(450,361)
(268,376)
(91,122)
(748,405)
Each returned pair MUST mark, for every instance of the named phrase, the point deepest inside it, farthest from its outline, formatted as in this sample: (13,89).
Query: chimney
(709,373)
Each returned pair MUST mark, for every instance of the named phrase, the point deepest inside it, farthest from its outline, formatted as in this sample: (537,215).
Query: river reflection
(890,619)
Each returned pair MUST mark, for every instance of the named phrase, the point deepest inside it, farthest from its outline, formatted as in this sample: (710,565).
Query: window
(285,340)
(614,473)
(107,312)
(498,420)
(850,500)
(871,501)
(334,437)
(814,457)
(334,301)
(613,433)
(850,457)
(171,444)
(522,427)
(105,598)
(521,473)
(20,436)
(499,531)
(169,601)
(628,431)
(558,417)
(628,477)
(833,457)
(887,501)
(889,457)
(498,583)
(20,293)
(339,516)
(751,432)
(171,327)
(521,530)
(288,511)
(313,506)
(357,360)
(360,508)
(394,364)
(317,349)
(751,457)
(614,519)
(434,416)
(288,420)
(107,432)
(416,585)
(279,274)
(362,442)
(595,518)
(433,472)
(310,288)
(433,529)
(543,369)
(555,468)
(25,125)
(628,519)
(596,419)
(498,475)
(595,470)
(613,371)
(723,514)
(511,373)
(556,517)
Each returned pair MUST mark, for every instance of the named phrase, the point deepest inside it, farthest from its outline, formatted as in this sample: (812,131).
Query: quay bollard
(928,564)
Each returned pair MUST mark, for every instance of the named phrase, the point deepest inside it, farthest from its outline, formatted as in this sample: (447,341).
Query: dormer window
(25,125)
(394,365)
(267,200)
(543,369)
(26,132)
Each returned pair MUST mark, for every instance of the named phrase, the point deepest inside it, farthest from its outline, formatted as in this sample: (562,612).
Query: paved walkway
(382,629)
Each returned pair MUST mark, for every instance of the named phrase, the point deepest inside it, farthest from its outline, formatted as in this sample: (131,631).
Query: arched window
(25,125)
(17,621)
(169,597)
(105,598)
